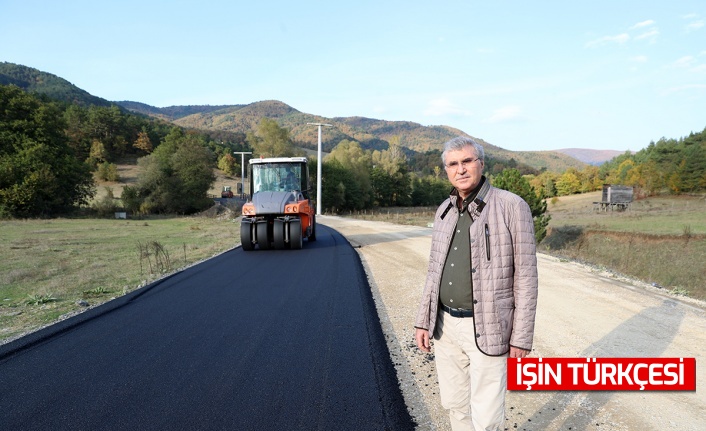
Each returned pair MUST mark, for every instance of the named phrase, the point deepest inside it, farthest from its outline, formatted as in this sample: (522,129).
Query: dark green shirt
(456,289)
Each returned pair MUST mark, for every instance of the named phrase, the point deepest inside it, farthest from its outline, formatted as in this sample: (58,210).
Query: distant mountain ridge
(591,157)
(370,133)
(171,113)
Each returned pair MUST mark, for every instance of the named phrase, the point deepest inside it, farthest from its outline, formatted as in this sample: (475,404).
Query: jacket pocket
(507,316)
(487,242)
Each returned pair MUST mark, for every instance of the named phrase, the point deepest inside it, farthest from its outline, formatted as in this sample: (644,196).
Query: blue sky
(521,75)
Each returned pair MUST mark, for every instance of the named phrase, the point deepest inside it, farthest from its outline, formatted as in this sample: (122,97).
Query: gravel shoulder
(582,312)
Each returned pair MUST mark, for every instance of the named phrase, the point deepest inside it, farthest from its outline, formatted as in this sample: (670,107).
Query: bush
(108,172)
(108,205)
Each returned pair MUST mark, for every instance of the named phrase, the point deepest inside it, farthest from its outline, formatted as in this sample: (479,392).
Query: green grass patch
(48,266)
(661,215)
(659,240)
(674,263)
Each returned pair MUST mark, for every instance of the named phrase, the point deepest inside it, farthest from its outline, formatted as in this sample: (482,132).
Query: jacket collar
(477,204)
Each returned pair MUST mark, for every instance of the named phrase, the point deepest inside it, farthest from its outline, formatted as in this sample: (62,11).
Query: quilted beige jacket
(503,269)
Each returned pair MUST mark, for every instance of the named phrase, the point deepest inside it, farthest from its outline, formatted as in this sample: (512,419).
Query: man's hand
(422,337)
(516,352)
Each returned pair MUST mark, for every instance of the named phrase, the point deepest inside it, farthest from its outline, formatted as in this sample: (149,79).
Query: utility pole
(242,170)
(318,168)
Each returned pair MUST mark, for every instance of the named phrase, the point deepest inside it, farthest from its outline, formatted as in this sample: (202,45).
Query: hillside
(34,81)
(171,113)
(371,133)
(591,157)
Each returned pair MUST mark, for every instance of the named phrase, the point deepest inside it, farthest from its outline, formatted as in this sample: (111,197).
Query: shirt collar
(464,204)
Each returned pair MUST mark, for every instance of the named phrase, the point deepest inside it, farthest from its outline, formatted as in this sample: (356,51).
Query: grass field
(660,215)
(53,268)
(50,269)
(660,240)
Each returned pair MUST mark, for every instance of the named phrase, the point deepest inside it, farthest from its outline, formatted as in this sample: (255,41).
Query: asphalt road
(263,340)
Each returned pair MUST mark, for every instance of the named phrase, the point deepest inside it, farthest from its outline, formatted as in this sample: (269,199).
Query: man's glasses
(453,166)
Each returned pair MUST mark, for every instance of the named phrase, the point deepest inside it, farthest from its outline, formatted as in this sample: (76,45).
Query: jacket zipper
(487,242)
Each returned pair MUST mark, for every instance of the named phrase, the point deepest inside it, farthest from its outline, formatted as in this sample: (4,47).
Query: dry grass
(659,240)
(53,268)
(418,216)
(661,215)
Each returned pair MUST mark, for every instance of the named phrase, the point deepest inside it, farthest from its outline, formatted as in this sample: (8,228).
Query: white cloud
(506,114)
(605,40)
(690,63)
(648,35)
(442,106)
(642,24)
(684,62)
(690,88)
(639,59)
(696,25)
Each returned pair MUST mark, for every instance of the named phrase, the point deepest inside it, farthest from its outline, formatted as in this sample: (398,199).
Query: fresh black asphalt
(261,340)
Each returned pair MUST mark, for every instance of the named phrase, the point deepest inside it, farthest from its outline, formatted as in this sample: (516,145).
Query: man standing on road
(480,295)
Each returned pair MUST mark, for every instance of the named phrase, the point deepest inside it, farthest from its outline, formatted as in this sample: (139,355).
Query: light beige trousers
(472,384)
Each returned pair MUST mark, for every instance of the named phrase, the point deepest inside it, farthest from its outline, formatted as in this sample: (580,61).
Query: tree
(382,187)
(590,179)
(39,172)
(108,172)
(429,190)
(271,140)
(143,142)
(76,119)
(693,170)
(353,159)
(568,183)
(228,164)
(544,183)
(390,178)
(512,181)
(333,186)
(175,178)
(99,154)
(107,125)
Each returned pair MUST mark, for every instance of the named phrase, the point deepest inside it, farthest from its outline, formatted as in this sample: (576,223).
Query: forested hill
(590,156)
(370,133)
(172,113)
(34,81)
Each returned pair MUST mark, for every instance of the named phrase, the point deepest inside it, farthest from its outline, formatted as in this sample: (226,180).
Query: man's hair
(459,143)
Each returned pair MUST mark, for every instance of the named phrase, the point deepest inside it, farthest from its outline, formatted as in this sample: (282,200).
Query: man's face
(464,170)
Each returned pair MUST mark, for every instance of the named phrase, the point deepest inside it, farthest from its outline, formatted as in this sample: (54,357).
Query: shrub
(107,205)
(108,172)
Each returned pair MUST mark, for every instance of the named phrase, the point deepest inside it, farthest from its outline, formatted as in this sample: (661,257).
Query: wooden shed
(615,197)
(613,193)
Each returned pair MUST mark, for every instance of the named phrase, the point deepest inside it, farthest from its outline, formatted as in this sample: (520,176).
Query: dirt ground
(581,313)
